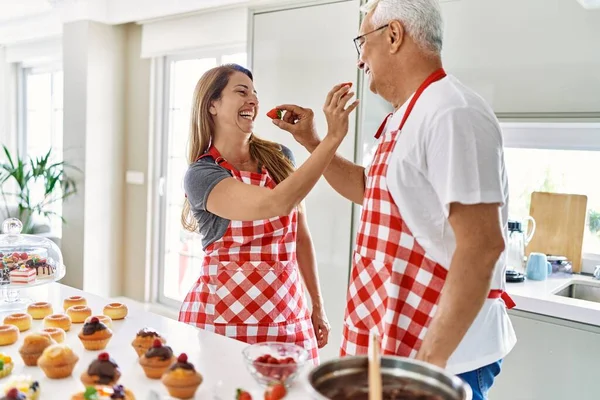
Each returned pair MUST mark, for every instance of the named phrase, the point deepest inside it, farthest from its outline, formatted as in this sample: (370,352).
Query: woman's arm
(307,265)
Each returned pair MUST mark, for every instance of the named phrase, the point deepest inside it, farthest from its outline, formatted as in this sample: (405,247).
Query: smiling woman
(244,197)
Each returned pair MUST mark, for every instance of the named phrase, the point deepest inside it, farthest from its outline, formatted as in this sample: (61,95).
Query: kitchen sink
(581,290)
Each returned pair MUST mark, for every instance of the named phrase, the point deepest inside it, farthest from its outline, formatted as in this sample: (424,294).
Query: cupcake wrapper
(95,344)
(31,359)
(140,350)
(182,392)
(154,372)
(58,372)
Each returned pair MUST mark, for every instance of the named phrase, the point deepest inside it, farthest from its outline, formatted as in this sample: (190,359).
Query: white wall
(94,66)
(137,133)
(105,159)
(210,30)
(75,92)
(526,56)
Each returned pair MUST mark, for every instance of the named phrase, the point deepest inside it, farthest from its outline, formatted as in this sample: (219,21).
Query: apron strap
(501,294)
(434,77)
(219,160)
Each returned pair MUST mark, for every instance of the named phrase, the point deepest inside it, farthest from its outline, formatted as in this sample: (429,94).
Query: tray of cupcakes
(48,350)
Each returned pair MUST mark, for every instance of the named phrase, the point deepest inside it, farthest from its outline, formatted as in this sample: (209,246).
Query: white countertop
(216,357)
(538,297)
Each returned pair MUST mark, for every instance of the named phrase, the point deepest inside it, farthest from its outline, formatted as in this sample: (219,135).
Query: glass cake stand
(25,261)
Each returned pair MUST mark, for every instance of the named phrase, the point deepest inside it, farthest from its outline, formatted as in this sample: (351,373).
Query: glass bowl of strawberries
(275,362)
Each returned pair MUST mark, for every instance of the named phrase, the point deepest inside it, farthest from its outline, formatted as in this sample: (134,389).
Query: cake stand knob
(12,226)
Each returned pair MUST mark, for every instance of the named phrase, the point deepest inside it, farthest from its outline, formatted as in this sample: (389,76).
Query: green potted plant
(33,185)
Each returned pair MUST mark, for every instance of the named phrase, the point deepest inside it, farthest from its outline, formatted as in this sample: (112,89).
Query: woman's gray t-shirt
(200,178)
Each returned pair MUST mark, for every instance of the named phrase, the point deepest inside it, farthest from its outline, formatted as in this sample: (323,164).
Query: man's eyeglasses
(359,41)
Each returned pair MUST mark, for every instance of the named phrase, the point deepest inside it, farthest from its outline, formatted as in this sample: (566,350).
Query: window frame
(161,158)
(582,136)
(23,71)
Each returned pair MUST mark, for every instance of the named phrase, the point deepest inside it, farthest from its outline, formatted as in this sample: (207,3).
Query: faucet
(597,272)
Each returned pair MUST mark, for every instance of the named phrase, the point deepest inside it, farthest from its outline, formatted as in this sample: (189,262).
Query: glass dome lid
(27,259)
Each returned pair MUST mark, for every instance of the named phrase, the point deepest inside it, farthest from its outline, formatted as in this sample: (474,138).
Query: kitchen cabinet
(534,56)
(554,359)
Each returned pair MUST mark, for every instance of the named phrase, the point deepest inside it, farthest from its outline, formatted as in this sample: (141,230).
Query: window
(559,158)
(180,253)
(42,125)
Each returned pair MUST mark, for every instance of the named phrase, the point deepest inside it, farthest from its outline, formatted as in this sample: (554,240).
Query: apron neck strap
(434,77)
(219,160)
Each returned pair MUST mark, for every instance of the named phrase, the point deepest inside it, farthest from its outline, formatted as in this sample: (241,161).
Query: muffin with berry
(102,371)
(157,360)
(144,340)
(95,335)
(181,379)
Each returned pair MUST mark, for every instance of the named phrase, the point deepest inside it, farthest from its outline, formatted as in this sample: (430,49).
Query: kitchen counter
(216,357)
(539,297)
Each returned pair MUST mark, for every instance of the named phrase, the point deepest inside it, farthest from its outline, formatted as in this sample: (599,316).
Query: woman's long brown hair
(202,129)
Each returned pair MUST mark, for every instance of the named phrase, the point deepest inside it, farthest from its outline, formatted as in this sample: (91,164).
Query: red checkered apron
(394,286)
(249,287)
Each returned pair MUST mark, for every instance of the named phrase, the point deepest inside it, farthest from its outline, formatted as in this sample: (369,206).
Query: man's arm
(479,243)
(345,177)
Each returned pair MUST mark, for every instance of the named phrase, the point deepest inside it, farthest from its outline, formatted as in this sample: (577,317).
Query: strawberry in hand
(275,114)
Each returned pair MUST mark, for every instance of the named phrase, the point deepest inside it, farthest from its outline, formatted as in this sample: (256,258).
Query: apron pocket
(257,293)
(367,295)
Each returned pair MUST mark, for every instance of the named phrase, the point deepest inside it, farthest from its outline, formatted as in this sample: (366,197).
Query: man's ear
(395,36)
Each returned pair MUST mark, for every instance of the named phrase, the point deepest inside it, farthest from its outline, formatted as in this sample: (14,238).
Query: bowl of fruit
(274,362)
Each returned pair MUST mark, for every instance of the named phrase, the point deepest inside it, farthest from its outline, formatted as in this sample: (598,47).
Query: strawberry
(182,358)
(275,114)
(157,343)
(13,393)
(241,394)
(24,256)
(103,356)
(94,320)
(275,391)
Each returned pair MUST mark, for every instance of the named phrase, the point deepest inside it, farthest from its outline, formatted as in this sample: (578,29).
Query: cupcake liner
(140,350)
(182,392)
(98,344)
(59,371)
(31,359)
(154,372)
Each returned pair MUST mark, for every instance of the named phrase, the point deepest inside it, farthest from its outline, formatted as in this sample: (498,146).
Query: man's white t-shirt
(451,150)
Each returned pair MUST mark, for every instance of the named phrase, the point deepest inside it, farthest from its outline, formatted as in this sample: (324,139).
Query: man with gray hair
(429,262)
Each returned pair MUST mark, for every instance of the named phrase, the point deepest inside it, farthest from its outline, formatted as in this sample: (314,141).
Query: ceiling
(15,9)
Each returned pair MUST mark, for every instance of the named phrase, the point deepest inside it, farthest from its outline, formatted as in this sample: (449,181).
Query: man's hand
(300,122)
